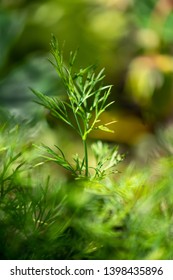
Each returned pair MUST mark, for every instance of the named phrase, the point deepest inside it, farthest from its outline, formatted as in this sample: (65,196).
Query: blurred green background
(131,39)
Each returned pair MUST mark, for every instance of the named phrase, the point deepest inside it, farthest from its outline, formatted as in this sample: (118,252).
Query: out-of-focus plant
(149,76)
(43,218)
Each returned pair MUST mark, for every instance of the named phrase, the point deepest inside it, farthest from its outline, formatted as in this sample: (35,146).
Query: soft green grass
(124,217)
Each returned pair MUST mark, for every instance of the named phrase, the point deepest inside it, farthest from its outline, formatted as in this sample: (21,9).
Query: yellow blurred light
(148,38)
(119,4)
(54,11)
(108,24)
(127,129)
(143,78)
(164,63)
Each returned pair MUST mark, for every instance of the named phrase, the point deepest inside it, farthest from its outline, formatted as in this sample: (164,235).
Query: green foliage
(107,159)
(86,101)
(41,218)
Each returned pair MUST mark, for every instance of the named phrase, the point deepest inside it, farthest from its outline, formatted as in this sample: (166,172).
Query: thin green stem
(78,124)
(86,157)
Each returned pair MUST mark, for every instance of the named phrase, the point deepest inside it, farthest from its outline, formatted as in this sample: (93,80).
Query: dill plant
(86,100)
